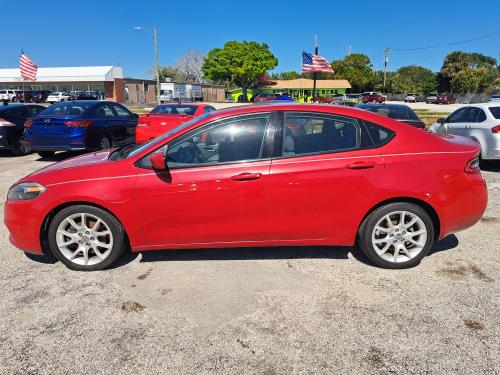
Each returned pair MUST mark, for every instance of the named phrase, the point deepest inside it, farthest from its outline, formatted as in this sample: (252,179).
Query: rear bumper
(71,142)
(463,203)
(142,136)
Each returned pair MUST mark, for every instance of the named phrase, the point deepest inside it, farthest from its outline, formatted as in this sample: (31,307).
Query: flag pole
(314,74)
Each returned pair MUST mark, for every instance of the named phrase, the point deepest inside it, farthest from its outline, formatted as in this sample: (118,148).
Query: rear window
(175,109)
(397,113)
(66,108)
(495,111)
(379,135)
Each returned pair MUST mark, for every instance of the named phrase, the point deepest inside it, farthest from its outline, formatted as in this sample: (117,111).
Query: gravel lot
(254,311)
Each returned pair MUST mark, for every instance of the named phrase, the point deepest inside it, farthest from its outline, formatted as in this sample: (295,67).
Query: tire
(105,143)
(397,238)
(21,149)
(46,154)
(71,249)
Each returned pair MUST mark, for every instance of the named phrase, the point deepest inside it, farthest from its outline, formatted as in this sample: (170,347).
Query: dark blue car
(80,125)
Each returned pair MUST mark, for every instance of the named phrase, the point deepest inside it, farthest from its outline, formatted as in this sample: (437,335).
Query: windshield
(175,109)
(495,111)
(66,108)
(131,150)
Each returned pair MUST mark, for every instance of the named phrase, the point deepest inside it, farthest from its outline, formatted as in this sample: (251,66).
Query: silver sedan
(480,122)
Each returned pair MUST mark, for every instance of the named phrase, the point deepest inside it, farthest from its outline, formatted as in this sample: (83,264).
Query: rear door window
(495,111)
(104,111)
(311,133)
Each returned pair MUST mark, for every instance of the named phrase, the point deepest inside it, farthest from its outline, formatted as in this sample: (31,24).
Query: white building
(106,80)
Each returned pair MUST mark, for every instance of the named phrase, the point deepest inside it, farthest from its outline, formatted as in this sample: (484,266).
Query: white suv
(7,95)
(56,97)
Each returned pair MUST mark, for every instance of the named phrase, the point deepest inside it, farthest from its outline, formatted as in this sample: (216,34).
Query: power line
(447,44)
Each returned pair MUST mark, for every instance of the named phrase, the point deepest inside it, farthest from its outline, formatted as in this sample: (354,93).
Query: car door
(322,178)
(454,123)
(128,121)
(205,200)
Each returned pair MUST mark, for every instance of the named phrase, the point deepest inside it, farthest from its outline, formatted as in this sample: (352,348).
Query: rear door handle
(361,165)
(246,176)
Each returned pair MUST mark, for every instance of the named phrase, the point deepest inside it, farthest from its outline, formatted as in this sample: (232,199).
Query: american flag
(27,67)
(314,63)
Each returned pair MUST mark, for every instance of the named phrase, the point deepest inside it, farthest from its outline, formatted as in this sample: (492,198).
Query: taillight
(472,166)
(495,129)
(28,123)
(79,123)
(4,122)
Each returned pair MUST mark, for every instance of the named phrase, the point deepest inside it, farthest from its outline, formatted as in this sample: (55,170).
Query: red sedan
(166,117)
(263,175)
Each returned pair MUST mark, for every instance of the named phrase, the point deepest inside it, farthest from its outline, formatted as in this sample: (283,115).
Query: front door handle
(361,165)
(246,176)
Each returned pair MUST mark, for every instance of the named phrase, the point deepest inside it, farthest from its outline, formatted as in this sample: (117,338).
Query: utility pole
(386,61)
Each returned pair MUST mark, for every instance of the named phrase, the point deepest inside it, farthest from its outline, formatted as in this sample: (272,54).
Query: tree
(463,67)
(240,63)
(285,75)
(413,78)
(357,69)
(172,72)
(190,65)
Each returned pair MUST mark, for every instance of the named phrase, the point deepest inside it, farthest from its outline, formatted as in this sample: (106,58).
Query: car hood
(87,160)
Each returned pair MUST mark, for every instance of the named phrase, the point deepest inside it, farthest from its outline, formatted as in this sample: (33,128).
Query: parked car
(262,175)
(480,122)
(445,99)
(352,99)
(165,117)
(263,97)
(80,125)
(338,99)
(494,98)
(372,97)
(7,95)
(431,98)
(411,98)
(40,96)
(399,112)
(12,118)
(58,96)
(83,95)
(23,96)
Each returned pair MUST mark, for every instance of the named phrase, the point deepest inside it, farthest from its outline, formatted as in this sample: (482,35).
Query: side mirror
(158,161)
(441,120)
(135,115)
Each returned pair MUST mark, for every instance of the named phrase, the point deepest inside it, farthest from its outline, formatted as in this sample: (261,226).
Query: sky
(91,32)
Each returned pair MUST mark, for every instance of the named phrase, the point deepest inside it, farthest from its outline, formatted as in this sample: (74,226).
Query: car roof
(484,105)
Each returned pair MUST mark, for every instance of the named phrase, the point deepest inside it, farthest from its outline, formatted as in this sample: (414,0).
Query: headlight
(25,191)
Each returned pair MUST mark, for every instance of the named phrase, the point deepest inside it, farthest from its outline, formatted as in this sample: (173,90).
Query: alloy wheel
(84,239)
(399,236)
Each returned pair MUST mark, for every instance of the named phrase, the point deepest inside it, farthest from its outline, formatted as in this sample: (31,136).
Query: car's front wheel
(397,235)
(86,238)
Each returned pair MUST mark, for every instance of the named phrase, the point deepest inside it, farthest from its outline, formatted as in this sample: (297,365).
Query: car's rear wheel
(46,154)
(397,235)
(20,148)
(86,238)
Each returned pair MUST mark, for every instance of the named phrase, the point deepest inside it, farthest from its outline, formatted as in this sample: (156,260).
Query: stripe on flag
(314,63)
(27,67)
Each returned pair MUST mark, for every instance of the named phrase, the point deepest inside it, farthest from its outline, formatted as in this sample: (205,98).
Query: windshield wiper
(122,152)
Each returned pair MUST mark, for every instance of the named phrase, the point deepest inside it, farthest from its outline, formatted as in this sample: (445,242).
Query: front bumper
(23,219)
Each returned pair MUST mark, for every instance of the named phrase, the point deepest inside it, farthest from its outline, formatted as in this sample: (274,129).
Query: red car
(445,99)
(166,117)
(372,97)
(263,175)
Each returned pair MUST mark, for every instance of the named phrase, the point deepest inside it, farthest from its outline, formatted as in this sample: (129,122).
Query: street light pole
(157,66)
(155,38)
